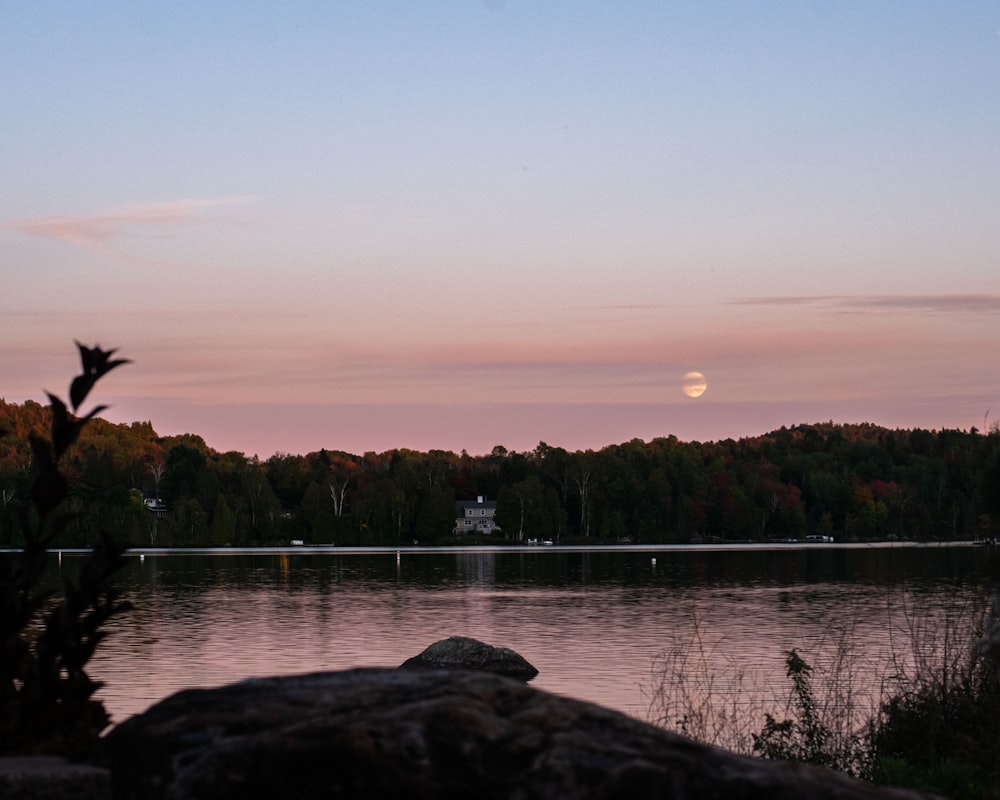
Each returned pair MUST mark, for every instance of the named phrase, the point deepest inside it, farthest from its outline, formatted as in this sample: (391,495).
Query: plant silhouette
(46,696)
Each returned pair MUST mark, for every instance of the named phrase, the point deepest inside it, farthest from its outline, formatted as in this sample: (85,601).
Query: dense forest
(846,481)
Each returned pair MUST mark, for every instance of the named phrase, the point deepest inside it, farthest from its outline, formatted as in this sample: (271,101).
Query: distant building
(155,506)
(476,516)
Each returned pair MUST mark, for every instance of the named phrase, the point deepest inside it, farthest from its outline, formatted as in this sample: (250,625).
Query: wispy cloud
(632,307)
(973,303)
(100,232)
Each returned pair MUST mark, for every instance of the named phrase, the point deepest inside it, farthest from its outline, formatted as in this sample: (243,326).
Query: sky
(454,225)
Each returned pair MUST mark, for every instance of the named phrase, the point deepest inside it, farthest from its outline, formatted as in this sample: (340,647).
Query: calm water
(592,622)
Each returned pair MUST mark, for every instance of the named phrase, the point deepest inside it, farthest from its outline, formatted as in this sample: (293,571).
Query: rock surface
(384,733)
(50,778)
(461,652)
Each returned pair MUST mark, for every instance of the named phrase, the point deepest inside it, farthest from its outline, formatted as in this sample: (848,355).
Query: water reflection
(592,622)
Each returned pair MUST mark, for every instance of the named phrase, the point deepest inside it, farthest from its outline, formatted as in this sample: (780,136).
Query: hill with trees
(848,481)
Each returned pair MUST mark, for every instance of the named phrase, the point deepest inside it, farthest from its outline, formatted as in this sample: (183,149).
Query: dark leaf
(23,514)
(80,388)
(49,490)
(96,363)
(94,412)
(65,428)
(42,452)
(62,522)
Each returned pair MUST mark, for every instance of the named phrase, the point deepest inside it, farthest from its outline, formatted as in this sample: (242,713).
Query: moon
(694,384)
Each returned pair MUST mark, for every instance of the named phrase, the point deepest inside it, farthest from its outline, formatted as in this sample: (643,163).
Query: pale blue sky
(464,224)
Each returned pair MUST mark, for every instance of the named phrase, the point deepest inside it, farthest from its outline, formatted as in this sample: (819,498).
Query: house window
(482,512)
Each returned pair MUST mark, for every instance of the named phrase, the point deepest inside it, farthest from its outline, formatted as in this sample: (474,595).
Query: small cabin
(155,506)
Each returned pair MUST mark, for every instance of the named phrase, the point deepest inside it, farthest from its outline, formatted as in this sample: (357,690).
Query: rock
(461,652)
(51,778)
(434,735)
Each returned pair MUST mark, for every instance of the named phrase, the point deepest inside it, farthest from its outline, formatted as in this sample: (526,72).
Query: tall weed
(690,693)
(939,725)
(927,717)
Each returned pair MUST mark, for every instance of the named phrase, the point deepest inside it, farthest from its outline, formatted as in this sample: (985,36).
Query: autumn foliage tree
(846,481)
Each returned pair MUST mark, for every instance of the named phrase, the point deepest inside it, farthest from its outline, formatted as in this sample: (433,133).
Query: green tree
(187,478)
(223,530)
(189,524)
(383,514)
(523,510)
(435,515)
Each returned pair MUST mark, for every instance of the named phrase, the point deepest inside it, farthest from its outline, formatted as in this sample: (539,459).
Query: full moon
(694,384)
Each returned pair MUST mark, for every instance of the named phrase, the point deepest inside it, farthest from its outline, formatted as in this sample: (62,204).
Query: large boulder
(461,652)
(52,778)
(406,734)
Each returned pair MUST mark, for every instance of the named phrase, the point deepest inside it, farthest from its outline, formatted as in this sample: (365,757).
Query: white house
(156,507)
(475,516)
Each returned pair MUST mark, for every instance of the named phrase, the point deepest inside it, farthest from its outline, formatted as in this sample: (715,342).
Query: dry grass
(700,688)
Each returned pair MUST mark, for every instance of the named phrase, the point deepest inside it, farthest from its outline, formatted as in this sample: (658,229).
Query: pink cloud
(100,231)
(973,303)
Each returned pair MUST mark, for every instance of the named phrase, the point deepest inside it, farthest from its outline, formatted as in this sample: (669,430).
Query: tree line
(848,481)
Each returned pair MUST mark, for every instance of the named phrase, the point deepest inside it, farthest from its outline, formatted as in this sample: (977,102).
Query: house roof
(462,505)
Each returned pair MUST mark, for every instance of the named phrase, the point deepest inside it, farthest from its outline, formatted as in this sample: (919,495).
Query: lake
(595,622)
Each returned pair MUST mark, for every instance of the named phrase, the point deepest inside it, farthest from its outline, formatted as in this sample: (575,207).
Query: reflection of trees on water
(476,568)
